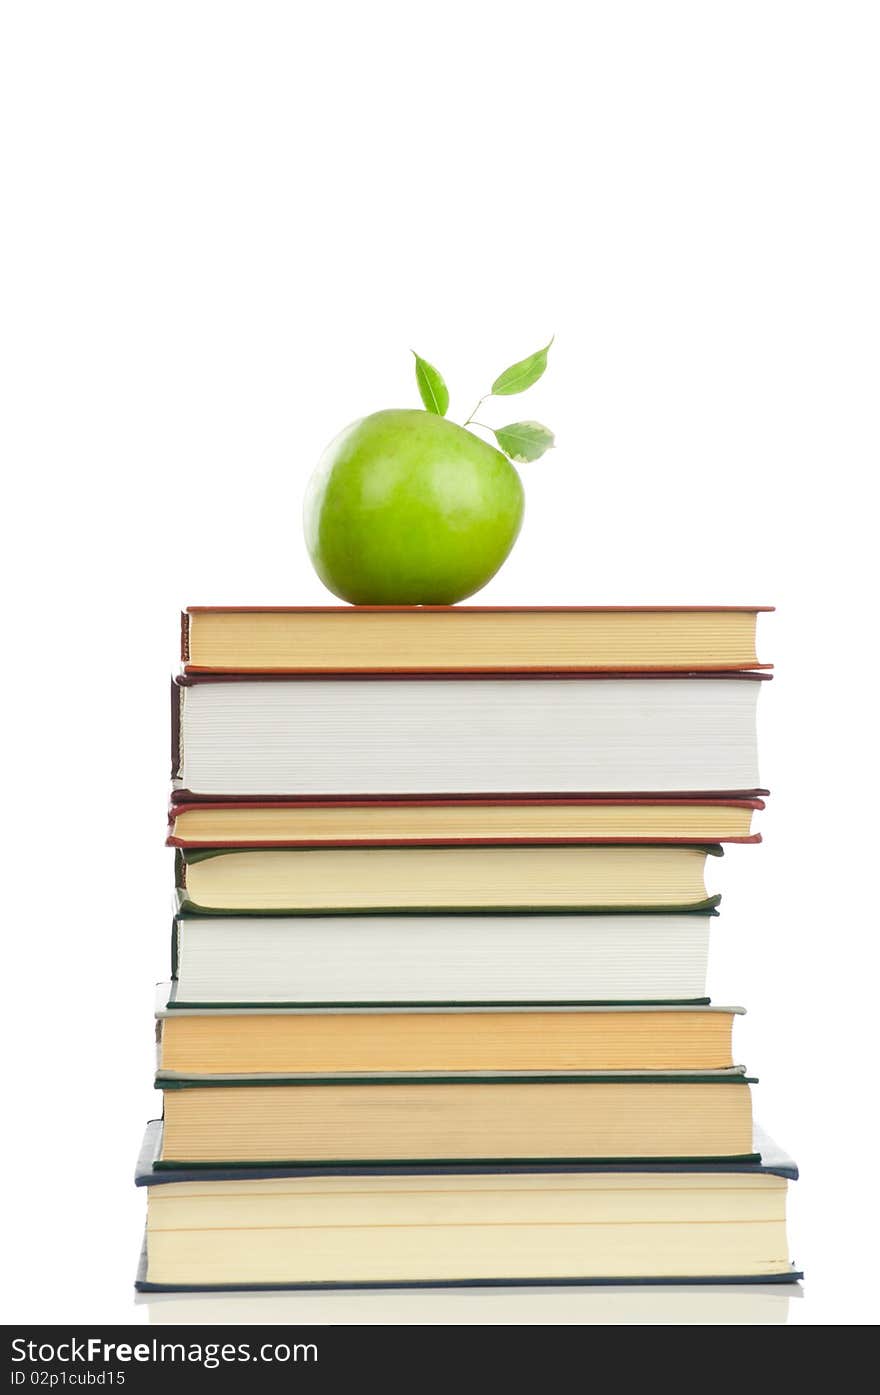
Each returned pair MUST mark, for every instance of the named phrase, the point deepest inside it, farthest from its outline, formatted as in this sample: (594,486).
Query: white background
(224,227)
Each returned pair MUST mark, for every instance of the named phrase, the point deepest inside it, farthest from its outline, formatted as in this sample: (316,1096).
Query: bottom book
(465,1224)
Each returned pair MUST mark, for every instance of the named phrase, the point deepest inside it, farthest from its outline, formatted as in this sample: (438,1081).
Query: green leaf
(432,389)
(525,440)
(521,375)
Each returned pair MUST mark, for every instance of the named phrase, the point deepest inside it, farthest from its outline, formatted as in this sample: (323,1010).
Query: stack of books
(438,1007)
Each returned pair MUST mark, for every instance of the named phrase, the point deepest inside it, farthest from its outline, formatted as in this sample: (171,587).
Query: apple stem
(476,409)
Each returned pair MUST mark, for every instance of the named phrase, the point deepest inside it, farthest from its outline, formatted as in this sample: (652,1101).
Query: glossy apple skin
(406,508)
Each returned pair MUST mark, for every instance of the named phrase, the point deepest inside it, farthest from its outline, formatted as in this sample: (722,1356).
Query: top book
(463,639)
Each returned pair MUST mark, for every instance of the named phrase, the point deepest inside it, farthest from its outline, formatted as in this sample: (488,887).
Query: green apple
(406,508)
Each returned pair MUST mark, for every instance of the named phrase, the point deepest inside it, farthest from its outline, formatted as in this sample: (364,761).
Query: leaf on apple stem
(432,389)
(520,376)
(525,440)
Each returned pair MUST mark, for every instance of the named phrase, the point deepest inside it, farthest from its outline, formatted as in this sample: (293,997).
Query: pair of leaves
(522,441)
(517,378)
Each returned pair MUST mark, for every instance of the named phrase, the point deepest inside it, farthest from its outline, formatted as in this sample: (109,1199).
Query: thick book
(590,1223)
(347,1118)
(377,639)
(261,1040)
(386,960)
(277,881)
(376,823)
(527,734)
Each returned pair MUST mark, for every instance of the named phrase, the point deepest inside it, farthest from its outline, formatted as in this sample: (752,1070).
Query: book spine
(447,840)
(176,700)
(194,674)
(175,946)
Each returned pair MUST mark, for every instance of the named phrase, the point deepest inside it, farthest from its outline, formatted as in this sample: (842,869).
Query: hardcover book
(308,823)
(385,960)
(648,1223)
(279,737)
(214,1120)
(204,1041)
(320,639)
(603,877)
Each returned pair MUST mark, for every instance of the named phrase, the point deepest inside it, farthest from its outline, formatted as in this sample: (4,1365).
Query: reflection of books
(711,1305)
(540,1221)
